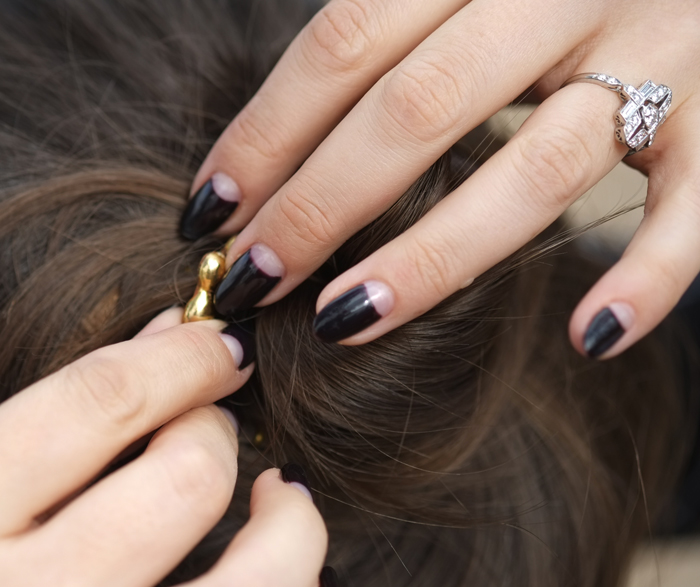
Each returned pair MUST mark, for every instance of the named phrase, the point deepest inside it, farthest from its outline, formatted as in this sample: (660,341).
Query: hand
(374,91)
(134,525)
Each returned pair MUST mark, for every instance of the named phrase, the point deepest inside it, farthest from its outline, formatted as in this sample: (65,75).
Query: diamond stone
(628,110)
(651,116)
(632,124)
(657,94)
(638,139)
(647,87)
(635,95)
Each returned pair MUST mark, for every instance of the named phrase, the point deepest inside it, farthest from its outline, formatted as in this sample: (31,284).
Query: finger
(659,264)
(285,540)
(166,319)
(338,56)
(60,432)
(410,118)
(135,525)
(564,147)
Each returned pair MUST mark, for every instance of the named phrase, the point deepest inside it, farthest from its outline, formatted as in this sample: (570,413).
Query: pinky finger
(637,293)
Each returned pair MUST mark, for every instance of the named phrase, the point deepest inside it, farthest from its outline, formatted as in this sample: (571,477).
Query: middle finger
(449,84)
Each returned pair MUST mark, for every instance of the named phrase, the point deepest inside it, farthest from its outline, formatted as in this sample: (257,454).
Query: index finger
(336,58)
(59,433)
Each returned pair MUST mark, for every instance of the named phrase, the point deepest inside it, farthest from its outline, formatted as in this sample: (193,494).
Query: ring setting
(643,112)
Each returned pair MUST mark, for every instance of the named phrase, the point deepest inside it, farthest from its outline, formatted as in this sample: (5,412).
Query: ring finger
(563,149)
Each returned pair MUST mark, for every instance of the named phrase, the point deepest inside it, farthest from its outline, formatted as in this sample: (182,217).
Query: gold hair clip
(211,270)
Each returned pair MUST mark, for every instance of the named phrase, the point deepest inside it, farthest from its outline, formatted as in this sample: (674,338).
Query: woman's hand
(134,525)
(372,92)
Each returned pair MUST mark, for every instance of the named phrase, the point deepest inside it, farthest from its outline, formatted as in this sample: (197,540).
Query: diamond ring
(642,114)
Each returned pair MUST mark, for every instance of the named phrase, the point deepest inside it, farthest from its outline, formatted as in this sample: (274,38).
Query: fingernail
(329,578)
(249,280)
(607,327)
(244,337)
(294,475)
(353,311)
(215,201)
(231,418)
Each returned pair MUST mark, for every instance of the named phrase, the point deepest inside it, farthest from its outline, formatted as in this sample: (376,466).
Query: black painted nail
(248,281)
(244,333)
(353,311)
(292,473)
(329,578)
(603,332)
(215,201)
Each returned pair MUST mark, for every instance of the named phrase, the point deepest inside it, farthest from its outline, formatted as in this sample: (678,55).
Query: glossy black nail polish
(205,212)
(603,332)
(329,578)
(243,286)
(292,473)
(245,334)
(346,315)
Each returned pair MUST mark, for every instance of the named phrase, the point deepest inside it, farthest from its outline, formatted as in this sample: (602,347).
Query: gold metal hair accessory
(211,270)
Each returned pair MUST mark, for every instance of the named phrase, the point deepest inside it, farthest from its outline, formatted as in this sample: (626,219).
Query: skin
(372,92)
(134,525)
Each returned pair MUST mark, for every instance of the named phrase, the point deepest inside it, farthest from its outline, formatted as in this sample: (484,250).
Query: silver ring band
(644,111)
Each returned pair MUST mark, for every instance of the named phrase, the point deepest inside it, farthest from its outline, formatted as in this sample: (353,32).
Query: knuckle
(340,37)
(200,351)
(262,137)
(100,384)
(667,276)
(556,162)
(425,96)
(309,217)
(433,266)
(197,476)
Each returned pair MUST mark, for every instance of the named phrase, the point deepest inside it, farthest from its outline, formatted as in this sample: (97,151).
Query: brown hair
(469,447)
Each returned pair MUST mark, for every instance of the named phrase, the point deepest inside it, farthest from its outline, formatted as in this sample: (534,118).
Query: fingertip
(231,417)
(241,342)
(285,537)
(606,329)
(271,493)
(284,483)
(295,476)
(210,206)
(603,326)
(354,312)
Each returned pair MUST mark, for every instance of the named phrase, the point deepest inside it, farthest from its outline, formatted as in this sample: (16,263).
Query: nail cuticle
(210,207)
